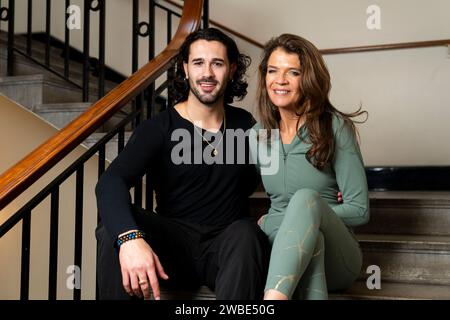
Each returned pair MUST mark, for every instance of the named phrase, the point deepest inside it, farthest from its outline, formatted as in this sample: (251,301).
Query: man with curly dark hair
(200,232)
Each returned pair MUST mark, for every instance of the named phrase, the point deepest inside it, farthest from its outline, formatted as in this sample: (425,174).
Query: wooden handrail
(19,177)
(392,46)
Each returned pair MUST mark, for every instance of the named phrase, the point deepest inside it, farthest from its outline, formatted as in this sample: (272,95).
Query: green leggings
(313,251)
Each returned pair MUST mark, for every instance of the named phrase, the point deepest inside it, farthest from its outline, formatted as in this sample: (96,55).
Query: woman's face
(283,79)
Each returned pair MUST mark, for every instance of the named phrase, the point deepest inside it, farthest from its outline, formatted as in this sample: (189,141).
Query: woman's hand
(339,197)
(261,219)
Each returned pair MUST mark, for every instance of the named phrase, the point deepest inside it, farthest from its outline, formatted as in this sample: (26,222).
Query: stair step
(412,267)
(53,99)
(420,213)
(60,114)
(359,291)
(394,291)
(415,213)
(407,258)
(202,293)
(62,107)
(31,90)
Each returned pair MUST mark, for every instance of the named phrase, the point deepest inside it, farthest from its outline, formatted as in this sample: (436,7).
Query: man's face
(208,70)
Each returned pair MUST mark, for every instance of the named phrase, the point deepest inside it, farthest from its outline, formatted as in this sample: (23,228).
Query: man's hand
(140,269)
(339,198)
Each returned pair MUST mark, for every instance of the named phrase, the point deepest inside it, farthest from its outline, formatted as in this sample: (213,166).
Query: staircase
(52,98)
(408,237)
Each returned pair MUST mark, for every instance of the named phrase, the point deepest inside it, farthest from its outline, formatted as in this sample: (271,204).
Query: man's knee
(243,261)
(244,239)
(245,233)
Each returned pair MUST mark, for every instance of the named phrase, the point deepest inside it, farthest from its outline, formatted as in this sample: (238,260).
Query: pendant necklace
(215,152)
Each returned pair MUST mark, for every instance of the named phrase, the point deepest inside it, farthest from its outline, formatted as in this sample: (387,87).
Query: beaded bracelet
(130,236)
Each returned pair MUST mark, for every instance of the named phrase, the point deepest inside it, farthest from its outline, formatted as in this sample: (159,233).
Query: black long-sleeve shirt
(207,194)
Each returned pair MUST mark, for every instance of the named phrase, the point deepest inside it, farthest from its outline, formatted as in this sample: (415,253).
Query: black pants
(232,260)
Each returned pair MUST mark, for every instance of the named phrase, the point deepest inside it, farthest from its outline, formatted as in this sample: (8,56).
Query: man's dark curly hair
(236,87)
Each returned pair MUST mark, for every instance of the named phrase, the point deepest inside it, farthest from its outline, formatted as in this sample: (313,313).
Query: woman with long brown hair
(314,150)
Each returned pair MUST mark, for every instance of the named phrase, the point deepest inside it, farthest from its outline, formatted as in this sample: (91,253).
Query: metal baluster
(53,260)
(205,14)
(25,270)
(150,100)
(101,160)
(10,62)
(29,26)
(150,96)
(169,27)
(66,43)
(78,224)
(135,37)
(138,192)
(151,55)
(137,103)
(48,20)
(101,58)
(151,29)
(101,166)
(171,71)
(101,169)
(86,34)
(121,140)
(135,52)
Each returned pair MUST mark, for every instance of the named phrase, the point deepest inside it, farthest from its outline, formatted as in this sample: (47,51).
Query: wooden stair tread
(405,242)
(394,291)
(359,290)
(399,195)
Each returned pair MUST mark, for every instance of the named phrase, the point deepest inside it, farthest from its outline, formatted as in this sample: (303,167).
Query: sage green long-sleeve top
(346,173)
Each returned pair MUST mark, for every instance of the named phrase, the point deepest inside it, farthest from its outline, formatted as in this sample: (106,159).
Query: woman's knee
(305,196)
(304,202)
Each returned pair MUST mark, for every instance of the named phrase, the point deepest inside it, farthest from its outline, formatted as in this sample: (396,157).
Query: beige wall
(20,132)
(404,91)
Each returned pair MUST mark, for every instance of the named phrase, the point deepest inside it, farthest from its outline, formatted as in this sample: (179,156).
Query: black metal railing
(145,105)
(89,63)
(52,190)
(51,43)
